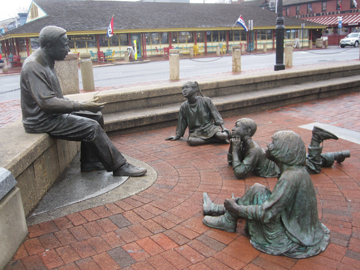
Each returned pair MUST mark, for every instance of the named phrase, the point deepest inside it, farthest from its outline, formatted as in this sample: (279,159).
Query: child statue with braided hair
(199,114)
(283,221)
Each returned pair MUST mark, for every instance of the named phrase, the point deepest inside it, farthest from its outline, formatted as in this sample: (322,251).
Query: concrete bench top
(19,149)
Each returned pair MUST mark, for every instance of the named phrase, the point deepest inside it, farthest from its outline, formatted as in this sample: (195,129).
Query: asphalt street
(159,70)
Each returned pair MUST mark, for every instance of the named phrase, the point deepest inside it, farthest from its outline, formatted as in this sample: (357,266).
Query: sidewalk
(161,227)
(154,58)
(10,110)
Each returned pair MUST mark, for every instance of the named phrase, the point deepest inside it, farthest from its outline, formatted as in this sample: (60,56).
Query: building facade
(154,27)
(327,13)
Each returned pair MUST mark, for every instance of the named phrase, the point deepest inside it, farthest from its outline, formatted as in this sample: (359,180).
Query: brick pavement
(161,227)
(9,111)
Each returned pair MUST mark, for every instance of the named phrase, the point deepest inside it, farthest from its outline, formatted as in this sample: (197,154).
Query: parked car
(352,39)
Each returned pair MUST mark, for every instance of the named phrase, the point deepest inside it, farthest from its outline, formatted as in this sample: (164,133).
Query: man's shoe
(320,134)
(341,156)
(93,166)
(129,170)
(224,222)
(210,208)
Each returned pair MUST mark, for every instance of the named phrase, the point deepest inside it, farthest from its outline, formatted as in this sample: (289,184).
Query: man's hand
(92,106)
(172,138)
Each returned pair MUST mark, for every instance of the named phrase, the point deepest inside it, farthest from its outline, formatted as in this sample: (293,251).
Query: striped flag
(110,30)
(241,22)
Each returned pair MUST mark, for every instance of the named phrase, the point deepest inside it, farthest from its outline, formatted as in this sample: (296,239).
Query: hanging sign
(339,22)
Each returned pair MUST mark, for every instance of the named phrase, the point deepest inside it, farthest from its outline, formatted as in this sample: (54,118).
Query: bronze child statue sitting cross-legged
(199,114)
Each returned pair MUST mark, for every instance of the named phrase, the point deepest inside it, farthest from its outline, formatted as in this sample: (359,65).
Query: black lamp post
(280,29)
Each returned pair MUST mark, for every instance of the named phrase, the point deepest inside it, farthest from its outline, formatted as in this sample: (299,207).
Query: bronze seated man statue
(284,221)
(199,114)
(46,110)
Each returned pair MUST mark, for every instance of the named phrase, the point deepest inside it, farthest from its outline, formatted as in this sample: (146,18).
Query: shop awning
(332,20)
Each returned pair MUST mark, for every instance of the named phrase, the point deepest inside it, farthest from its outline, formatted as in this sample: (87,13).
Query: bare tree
(23,9)
(14,13)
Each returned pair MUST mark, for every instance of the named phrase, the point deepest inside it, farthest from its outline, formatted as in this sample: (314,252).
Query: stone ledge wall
(122,100)
(35,160)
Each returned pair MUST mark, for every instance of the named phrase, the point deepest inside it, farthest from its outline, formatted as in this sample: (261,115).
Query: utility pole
(302,35)
(251,27)
(280,28)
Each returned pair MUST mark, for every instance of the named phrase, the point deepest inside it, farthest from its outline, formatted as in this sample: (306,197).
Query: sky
(10,8)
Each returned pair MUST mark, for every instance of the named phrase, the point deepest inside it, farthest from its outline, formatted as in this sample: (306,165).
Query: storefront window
(328,32)
(237,35)
(243,35)
(70,43)
(80,44)
(306,33)
(342,31)
(164,38)
(293,34)
(103,40)
(35,44)
(124,41)
(147,37)
(174,37)
(215,36)
(208,36)
(288,34)
(301,33)
(263,34)
(234,35)
(182,37)
(190,37)
(222,35)
(155,39)
(12,48)
(22,44)
(269,34)
(114,40)
(91,44)
(200,36)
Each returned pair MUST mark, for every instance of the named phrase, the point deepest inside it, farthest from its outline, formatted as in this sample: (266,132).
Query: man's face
(60,50)
(238,130)
(187,90)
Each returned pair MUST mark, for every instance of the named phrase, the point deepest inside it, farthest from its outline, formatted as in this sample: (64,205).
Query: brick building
(327,13)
